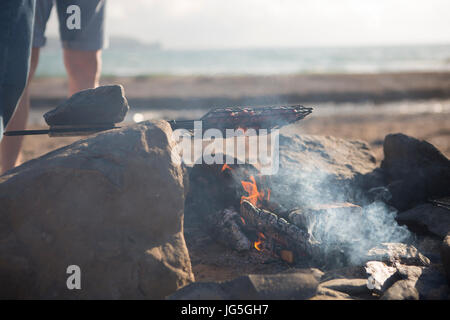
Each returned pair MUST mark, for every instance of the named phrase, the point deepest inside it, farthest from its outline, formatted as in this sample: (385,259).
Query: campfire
(243,214)
(297,217)
(258,197)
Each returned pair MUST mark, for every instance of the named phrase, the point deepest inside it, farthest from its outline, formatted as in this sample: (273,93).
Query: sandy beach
(186,92)
(360,106)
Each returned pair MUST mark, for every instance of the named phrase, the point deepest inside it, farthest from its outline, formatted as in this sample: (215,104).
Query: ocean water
(143,60)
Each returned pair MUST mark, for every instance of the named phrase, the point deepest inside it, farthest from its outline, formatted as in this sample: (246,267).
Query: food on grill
(247,117)
(221,118)
(256,118)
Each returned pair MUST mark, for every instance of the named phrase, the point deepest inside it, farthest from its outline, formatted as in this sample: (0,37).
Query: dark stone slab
(102,105)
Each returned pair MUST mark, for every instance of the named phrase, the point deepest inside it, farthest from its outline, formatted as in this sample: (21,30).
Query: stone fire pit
(335,225)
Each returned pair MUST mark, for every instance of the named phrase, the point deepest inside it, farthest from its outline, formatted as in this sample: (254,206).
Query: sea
(137,59)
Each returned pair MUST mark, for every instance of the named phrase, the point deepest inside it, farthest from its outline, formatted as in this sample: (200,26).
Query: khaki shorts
(90,36)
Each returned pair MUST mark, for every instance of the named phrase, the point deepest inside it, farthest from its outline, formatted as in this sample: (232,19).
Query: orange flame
(225,167)
(254,195)
(252,189)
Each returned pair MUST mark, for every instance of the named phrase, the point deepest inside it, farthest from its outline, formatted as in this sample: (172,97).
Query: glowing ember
(258,244)
(287,256)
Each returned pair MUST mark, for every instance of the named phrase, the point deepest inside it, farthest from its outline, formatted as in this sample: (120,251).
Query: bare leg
(10,146)
(83,69)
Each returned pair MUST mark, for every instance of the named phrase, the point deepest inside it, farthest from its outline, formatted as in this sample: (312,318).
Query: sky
(206,24)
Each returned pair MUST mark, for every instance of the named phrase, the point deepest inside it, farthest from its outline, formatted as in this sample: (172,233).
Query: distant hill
(115,42)
(125,42)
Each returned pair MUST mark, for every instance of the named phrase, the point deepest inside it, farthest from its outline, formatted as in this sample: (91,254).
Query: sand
(181,92)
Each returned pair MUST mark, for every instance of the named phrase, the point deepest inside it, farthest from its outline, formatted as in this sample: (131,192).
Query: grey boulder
(401,290)
(415,170)
(445,256)
(425,283)
(322,169)
(111,204)
(394,253)
(298,285)
(352,287)
(426,218)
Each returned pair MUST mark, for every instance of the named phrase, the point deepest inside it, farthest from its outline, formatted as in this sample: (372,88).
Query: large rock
(324,293)
(397,253)
(323,169)
(351,272)
(445,256)
(432,285)
(298,285)
(425,283)
(102,105)
(403,273)
(425,219)
(381,276)
(401,290)
(408,275)
(415,171)
(352,287)
(111,204)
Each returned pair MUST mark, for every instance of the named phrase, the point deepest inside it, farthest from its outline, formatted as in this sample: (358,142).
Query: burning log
(228,228)
(284,239)
(262,224)
(306,218)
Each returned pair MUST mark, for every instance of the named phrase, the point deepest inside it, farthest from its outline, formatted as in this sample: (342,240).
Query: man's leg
(82,47)
(16,28)
(83,69)
(10,146)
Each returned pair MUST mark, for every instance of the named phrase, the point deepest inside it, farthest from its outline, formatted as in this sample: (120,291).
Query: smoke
(339,231)
(312,174)
(354,235)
